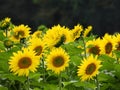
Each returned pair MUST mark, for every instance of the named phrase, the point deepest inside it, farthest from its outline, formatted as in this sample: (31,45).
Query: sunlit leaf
(3,88)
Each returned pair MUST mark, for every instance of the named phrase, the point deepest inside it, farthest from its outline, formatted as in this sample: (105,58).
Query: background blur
(103,15)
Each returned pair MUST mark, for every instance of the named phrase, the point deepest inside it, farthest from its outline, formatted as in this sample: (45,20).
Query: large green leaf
(4,57)
(108,62)
(3,88)
(85,84)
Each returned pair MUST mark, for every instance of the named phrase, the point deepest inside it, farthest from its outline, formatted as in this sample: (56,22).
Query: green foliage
(108,77)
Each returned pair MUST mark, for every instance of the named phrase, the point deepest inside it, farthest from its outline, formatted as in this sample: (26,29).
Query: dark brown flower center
(58,61)
(95,50)
(24,62)
(21,33)
(90,68)
(38,50)
(108,48)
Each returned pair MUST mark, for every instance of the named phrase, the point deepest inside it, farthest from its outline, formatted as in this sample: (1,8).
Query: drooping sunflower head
(37,45)
(22,62)
(20,32)
(37,33)
(57,60)
(89,68)
(68,35)
(54,37)
(93,46)
(116,38)
(87,30)
(77,31)
(108,44)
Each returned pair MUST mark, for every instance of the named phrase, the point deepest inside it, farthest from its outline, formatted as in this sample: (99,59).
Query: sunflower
(93,46)
(37,45)
(20,32)
(5,23)
(108,44)
(89,68)
(57,60)
(77,31)
(87,31)
(22,62)
(54,37)
(67,35)
(116,38)
(37,34)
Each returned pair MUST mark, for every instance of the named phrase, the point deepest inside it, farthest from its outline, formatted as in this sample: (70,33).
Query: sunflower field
(57,58)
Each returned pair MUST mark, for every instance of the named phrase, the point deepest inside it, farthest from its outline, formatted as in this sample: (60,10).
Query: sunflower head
(22,62)
(37,45)
(61,41)
(108,44)
(20,32)
(54,37)
(89,68)
(37,34)
(116,38)
(77,31)
(4,24)
(57,60)
(87,31)
(93,46)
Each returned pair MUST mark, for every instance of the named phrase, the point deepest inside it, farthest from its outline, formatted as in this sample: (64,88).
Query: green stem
(60,82)
(43,65)
(27,84)
(6,33)
(84,45)
(97,84)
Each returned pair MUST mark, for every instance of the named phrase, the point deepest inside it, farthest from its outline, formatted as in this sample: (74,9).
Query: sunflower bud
(8,43)
(4,24)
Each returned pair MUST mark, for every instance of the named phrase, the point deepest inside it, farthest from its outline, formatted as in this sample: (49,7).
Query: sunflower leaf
(2,37)
(3,88)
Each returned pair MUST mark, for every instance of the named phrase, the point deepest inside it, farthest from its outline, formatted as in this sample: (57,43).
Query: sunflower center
(108,48)
(21,33)
(24,62)
(95,50)
(90,68)
(58,61)
(16,36)
(38,50)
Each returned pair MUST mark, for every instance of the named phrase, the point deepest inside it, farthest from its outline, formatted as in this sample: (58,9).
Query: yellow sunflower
(37,45)
(20,32)
(116,38)
(37,34)
(54,37)
(67,35)
(87,30)
(57,60)
(89,68)
(5,23)
(93,46)
(108,44)
(77,31)
(22,62)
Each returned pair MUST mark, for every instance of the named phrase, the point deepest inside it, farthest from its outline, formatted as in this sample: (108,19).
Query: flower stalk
(60,82)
